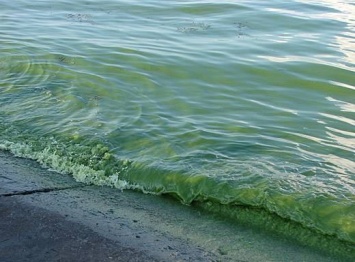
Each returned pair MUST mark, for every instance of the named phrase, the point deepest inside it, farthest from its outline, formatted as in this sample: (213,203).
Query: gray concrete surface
(46,216)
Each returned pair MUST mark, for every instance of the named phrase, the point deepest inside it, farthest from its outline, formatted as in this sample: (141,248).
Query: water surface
(247,103)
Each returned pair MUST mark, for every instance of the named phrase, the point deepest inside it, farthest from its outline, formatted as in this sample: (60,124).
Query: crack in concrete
(41,190)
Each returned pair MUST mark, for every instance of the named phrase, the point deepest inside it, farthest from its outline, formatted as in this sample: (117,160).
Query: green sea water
(222,104)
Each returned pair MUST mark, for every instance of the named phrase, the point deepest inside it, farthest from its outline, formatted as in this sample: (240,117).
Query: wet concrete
(46,216)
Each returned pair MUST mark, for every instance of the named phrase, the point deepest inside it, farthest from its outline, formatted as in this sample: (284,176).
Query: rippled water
(246,103)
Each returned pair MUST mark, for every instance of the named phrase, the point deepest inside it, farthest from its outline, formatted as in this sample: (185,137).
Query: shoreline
(46,216)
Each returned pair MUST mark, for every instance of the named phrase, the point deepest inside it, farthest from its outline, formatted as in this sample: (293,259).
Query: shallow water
(248,103)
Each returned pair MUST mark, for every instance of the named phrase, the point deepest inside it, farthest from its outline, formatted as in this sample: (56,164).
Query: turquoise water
(247,103)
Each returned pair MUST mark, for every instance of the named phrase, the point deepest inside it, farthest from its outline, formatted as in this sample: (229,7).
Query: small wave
(92,162)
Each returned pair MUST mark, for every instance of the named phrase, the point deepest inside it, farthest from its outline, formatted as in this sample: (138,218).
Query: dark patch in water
(241,28)
(66,60)
(79,18)
(194,27)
